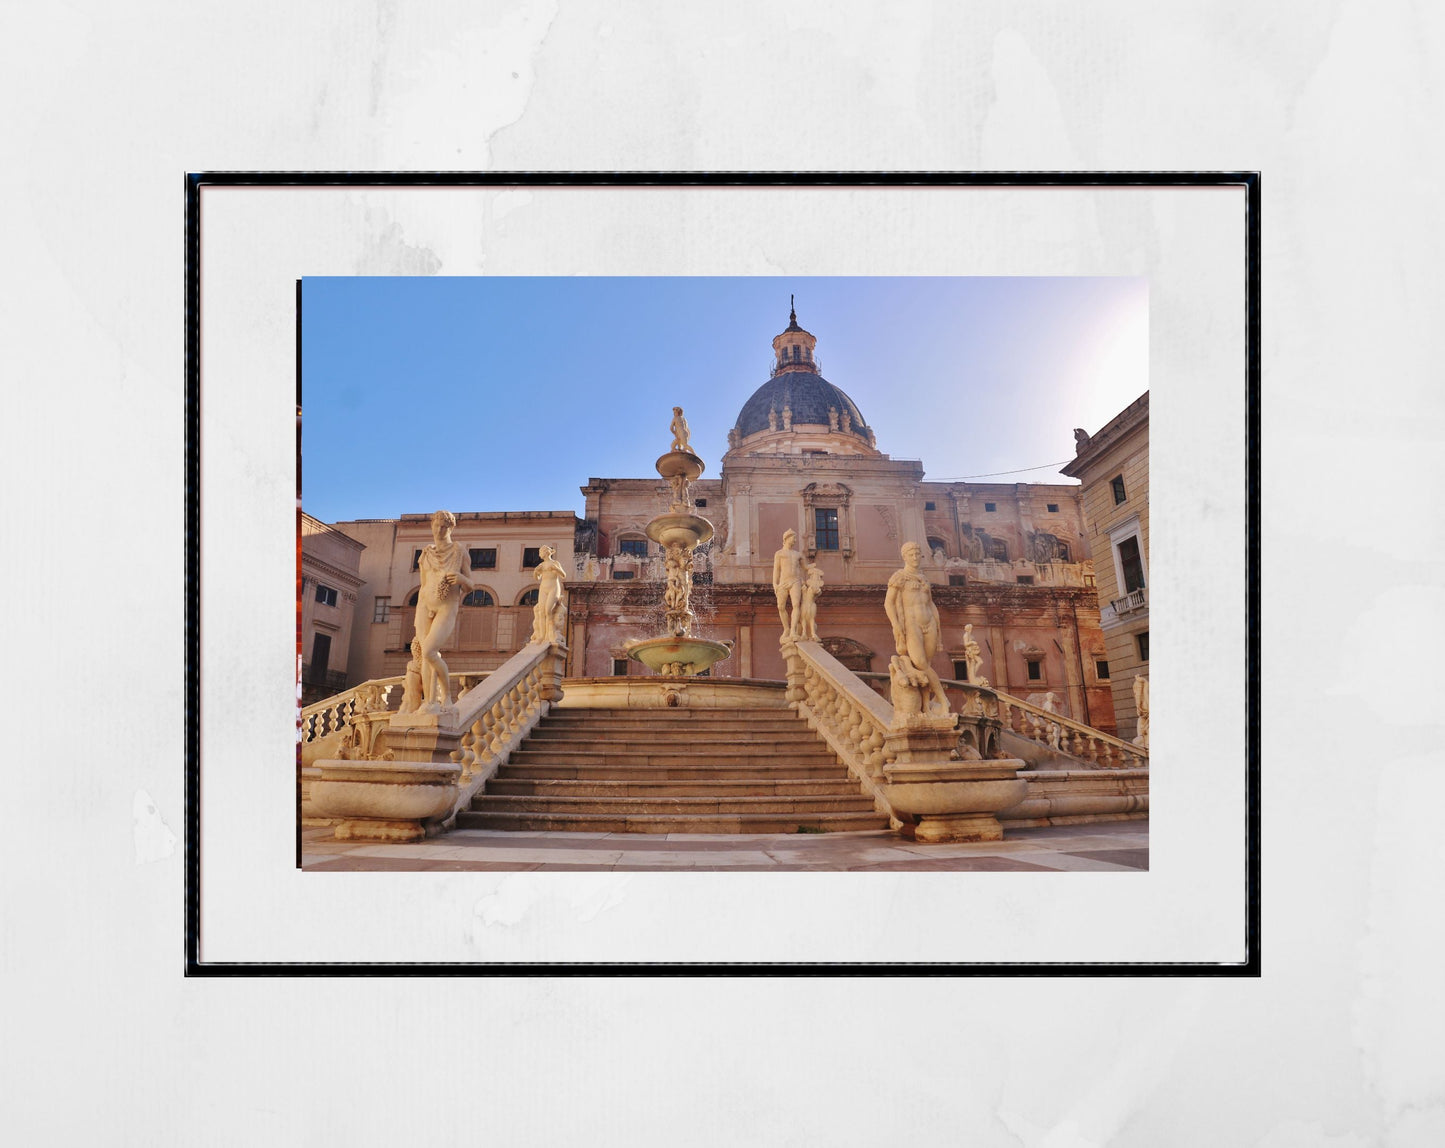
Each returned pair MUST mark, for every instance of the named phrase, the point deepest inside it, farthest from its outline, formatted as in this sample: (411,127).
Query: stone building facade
(1113,466)
(1012,559)
(330,585)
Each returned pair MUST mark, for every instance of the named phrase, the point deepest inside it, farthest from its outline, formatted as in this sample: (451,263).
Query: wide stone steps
(673,823)
(672,771)
(744,787)
(600,771)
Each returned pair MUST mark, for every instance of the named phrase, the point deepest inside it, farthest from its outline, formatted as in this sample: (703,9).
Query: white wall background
(107,105)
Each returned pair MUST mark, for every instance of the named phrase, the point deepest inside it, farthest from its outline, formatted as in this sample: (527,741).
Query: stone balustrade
(938,777)
(1048,729)
(409,774)
(1072,737)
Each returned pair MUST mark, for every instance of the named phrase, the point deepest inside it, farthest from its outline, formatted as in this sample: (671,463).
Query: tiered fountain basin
(685,530)
(678,656)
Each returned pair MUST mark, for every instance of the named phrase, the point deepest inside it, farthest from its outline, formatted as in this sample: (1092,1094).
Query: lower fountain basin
(678,656)
(685,530)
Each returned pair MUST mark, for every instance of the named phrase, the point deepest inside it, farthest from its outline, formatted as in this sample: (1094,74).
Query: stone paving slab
(1121,847)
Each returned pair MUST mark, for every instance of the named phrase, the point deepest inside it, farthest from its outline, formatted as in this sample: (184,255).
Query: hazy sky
(508,394)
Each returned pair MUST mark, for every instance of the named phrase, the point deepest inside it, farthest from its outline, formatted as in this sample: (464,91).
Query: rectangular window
(619,667)
(990,507)
(1101,669)
(1053,507)
(1143,640)
(382,611)
(1025,579)
(960,671)
(623,575)
(825,529)
(483,559)
(956,579)
(930,506)
(637,546)
(699,502)
(1036,671)
(1133,567)
(702,577)
(1118,485)
(325,595)
(531,556)
(416,559)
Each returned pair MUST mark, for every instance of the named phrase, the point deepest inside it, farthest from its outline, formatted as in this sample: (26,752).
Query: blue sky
(509,393)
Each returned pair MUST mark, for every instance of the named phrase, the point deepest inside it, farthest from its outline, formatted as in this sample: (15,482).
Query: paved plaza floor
(1112,846)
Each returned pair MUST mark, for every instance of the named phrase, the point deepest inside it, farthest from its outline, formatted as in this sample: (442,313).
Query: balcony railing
(1134,600)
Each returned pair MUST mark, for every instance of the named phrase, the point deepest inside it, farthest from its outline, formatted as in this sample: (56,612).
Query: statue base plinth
(384,800)
(953,800)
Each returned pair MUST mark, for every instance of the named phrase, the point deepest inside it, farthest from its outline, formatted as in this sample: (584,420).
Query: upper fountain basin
(680,462)
(685,530)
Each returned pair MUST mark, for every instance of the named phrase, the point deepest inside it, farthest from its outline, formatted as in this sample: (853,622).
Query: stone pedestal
(942,800)
(384,800)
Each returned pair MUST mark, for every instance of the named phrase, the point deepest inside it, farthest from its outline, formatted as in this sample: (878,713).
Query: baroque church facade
(1012,560)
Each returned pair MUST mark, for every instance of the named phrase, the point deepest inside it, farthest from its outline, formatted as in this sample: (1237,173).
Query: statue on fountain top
(680,432)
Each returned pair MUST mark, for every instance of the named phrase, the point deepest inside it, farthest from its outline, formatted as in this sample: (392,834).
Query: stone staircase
(672,771)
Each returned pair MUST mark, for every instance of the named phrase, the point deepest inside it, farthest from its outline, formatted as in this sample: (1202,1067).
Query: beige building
(1113,466)
(330,582)
(495,619)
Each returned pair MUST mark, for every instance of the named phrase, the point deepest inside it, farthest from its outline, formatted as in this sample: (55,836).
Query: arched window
(415,594)
(528,598)
(938,544)
(478,598)
(998,549)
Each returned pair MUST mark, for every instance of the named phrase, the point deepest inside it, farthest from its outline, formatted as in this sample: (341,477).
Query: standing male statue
(788,579)
(916,635)
(680,433)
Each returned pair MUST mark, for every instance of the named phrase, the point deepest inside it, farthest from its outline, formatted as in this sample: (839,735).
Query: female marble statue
(973,657)
(436,608)
(546,614)
(788,583)
(808,612)
(916,629)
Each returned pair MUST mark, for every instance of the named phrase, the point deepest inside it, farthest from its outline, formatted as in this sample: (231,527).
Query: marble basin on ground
(689,655)
(685,530)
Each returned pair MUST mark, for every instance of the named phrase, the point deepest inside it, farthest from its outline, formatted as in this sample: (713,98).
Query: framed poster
(1193,239)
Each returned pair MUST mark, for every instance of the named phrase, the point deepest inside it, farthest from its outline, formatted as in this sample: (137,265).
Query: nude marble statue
(547,614)
(808,612)
(680,432)
(788,579)
(916,632)
(442,587)
(973,657)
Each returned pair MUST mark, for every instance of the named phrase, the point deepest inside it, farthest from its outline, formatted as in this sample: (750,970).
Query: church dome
(798,401)
(808,395)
